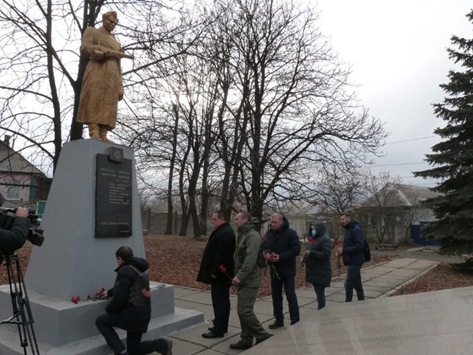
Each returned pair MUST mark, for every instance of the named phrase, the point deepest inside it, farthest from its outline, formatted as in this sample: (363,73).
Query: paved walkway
(378,282)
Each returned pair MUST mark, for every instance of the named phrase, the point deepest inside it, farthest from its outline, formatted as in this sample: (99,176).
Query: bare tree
(337,188)
(415,211)
(290,104)
(385,205)
(42,71)
(182,135)
(262,91)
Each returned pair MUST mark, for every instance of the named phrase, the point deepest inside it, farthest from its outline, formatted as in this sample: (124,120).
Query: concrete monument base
(65,328)
(96,345)
(74,262)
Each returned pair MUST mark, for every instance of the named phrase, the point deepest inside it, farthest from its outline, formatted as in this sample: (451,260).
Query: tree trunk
(204,207)
(91,9)
(195,217)
(171,169)
(168,230)
(184,224)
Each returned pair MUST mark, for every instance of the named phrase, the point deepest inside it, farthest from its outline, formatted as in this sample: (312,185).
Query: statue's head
(110,20)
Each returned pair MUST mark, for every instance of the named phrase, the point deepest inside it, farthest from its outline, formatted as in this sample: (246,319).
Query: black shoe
(212,329)
(211,335)
(266,337)
(292,323)
(240,346)
(276,325)
(167,350)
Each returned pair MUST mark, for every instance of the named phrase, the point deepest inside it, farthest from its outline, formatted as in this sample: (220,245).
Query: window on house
(13,192)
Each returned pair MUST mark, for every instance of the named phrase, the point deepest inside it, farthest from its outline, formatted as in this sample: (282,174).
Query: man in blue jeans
(282,246)
(353,256)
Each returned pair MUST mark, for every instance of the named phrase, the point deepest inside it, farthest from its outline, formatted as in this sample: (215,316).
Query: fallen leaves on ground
(441,277)
(176,260)
(23,258)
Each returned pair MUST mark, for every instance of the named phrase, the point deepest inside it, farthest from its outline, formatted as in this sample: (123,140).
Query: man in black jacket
(217,269)
(353,256)
(130,308)
(14,238)
(281,250)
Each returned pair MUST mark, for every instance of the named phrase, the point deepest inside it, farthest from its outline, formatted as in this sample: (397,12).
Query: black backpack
(367,251)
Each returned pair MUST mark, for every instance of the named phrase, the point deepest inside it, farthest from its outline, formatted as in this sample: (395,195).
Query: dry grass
(176,260)
(441,277)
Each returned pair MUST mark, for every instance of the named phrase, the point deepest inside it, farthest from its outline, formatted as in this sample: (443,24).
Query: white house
(389,214)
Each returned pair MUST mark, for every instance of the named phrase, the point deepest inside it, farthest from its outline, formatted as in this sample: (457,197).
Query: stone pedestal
(72,262)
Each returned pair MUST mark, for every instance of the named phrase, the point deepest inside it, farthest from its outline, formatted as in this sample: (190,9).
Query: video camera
(22,315)
(35,233)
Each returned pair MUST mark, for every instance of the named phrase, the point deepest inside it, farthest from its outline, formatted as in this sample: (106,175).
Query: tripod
(22,315)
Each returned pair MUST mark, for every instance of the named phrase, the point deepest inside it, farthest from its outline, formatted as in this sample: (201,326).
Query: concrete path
(378,282)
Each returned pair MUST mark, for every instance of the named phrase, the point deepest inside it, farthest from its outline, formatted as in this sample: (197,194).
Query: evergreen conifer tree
(452,159)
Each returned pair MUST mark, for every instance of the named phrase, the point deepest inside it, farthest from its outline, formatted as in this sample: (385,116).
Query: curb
(391,292)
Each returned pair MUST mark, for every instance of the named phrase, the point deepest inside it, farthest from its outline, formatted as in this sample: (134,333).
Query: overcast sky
(397,50)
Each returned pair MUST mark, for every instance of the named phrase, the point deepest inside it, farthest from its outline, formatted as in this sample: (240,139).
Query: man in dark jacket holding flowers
(130,308)
(281,249)
(353,256)
(217,269)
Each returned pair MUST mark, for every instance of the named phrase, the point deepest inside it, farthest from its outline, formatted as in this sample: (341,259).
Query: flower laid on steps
(98,296)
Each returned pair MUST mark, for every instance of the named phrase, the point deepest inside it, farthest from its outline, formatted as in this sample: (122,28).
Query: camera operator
(14,238)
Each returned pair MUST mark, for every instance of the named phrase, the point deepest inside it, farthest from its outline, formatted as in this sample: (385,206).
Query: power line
(412,140)
(404,164)
(401,164)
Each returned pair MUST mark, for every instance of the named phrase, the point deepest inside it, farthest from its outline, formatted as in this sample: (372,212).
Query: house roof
(13,162)
(406,195)
(301,208)
(415,193)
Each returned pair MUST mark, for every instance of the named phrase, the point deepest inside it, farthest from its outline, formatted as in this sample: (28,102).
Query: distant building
(395,212)
(21,183)
(299,214)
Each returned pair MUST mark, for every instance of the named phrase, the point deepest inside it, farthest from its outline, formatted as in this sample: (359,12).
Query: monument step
(158,327)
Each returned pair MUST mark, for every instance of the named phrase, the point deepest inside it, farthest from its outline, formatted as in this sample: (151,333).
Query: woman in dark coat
(317,259)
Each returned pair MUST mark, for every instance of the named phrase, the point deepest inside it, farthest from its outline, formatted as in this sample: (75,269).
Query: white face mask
(314,232)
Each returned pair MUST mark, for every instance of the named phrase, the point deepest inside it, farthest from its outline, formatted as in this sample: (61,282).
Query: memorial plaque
(113,210)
